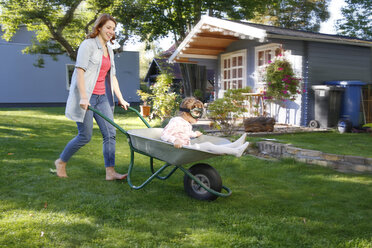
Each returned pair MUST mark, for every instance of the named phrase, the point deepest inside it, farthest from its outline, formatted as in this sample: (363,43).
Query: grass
(274,204)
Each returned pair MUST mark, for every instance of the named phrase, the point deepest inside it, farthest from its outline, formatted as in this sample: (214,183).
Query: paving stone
(332,157)
(369,161)
(360,168)
(311,153)
(355,159)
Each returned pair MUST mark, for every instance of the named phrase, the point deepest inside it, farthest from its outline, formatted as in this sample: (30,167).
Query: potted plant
(144,107)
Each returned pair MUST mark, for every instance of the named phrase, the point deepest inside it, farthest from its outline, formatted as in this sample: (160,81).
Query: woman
(94,84)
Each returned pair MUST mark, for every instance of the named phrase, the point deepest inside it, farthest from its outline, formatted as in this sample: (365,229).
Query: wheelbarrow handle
(116,125)
(108,120)
(139,115)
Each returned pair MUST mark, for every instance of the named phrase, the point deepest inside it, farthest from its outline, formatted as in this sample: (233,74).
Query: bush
(224,112)
(164,102)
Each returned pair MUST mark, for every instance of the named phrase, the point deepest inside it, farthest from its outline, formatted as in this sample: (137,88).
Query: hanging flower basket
(282,84)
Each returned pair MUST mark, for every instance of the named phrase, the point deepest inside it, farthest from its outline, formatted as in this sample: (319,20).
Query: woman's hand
(84,103)
(177,143)
(123,104)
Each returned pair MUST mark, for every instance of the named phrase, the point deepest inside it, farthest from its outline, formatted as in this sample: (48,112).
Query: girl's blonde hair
(190,103)
(101,20)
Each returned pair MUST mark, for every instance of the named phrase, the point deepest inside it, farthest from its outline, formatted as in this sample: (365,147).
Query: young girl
(179,131)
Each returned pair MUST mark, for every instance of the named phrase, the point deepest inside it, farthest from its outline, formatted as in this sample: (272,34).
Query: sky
(335,10)
(326,27)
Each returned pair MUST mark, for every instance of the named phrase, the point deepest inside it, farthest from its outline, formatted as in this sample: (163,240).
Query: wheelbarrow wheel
(208,176)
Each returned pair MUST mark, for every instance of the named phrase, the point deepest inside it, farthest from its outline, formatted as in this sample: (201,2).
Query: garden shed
(237,51)
(161,65)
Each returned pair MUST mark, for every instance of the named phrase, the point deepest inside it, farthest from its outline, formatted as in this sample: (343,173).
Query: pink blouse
(178,128)
(100,88)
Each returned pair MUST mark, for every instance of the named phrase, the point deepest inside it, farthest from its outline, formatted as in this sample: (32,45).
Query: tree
(357,19)
(296,14)
(60,25)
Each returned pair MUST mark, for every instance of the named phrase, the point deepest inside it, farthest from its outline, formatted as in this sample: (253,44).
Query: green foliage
(145,93)
(145,96)
(164,102)
(224,112)
(295,14)
(281,82)
(198,94)
(178,17)
(60,25)
(357,20)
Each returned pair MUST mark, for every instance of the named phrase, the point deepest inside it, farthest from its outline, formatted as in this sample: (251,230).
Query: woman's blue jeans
(85,130)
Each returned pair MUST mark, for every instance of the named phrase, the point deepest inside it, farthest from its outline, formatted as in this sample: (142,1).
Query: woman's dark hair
(101,20)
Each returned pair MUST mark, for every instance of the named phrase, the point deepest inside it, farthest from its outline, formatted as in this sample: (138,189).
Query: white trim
(272,46)
(325,40)
(185,41)
(243,53)
(198,56)
(241,30)
(236,27)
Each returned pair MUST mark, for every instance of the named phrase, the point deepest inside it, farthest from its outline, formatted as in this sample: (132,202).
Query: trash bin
(327,106)
(350,101)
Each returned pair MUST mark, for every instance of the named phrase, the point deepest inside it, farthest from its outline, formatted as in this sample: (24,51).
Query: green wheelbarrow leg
(154,175)
(157,176)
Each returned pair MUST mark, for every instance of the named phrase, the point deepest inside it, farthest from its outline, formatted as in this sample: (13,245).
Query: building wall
(23,83)
(336,62)
(289,112)
(315,63)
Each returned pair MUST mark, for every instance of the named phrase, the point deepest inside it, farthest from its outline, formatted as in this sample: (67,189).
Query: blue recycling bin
(351,100)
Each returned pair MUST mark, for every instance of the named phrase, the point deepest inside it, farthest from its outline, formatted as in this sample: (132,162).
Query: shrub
(164,102)
(224,112)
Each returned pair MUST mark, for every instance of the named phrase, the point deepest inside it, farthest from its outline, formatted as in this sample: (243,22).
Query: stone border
(342,163)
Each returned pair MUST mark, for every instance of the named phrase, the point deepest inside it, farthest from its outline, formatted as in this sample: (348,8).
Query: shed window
(264,54)
(233,67)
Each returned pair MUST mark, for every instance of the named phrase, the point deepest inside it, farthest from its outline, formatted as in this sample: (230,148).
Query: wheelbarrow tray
(148,142)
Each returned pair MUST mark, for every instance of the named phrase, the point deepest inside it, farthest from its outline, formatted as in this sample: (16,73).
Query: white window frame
(259,69)
(230,80)
(69,68)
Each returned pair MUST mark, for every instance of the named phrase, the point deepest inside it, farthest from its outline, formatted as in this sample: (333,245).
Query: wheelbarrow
(201,181)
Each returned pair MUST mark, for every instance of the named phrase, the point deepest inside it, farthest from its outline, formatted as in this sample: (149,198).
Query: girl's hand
(123,104)
(198,133)
(84,103)
(177,143)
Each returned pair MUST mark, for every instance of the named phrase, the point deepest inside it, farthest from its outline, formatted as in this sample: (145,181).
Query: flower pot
(145,110)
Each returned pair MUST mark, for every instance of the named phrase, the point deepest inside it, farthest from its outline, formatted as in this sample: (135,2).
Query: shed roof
(211,36)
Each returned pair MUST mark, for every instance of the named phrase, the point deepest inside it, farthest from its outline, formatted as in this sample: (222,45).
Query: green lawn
(273,204)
